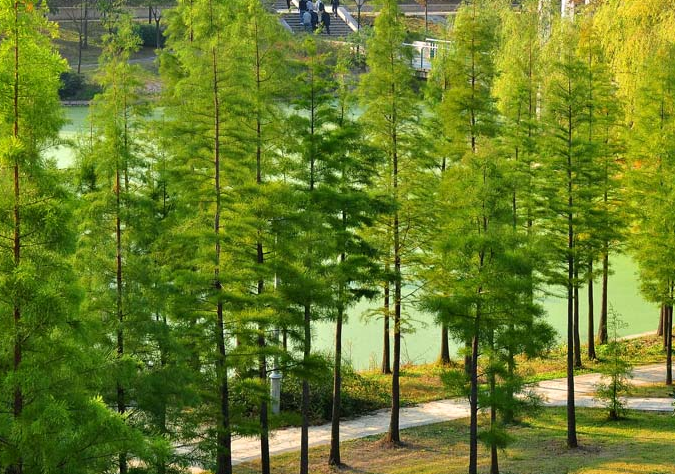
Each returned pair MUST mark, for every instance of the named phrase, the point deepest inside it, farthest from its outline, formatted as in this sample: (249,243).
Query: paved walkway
(553,392)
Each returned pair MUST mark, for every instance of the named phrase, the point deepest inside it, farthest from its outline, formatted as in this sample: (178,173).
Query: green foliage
(360,395)
(148,35)
(614,384)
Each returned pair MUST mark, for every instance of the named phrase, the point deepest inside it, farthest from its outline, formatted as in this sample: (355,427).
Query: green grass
(640,444)
(658,390)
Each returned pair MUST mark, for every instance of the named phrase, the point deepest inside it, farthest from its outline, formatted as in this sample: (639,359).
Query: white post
(275,390)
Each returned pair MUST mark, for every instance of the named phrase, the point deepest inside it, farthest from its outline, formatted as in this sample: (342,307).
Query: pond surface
(363,335)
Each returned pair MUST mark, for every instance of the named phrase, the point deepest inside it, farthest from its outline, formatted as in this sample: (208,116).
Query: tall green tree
(351,169)
(651,152)
(108,243)
(389,118)
(209,166)
(566,177)
(51,419)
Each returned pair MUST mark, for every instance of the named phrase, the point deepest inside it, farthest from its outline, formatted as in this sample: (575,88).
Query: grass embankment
(635,445)
(423,383)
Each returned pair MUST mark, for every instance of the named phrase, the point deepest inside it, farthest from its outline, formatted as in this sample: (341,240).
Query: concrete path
(553,392)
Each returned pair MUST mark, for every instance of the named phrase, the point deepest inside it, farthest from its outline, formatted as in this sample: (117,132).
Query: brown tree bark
(334,455)
(386,351)
(577,338)
(473,401)
(668,330)
(304,430)
(602,324)
(591,322)
(445,349)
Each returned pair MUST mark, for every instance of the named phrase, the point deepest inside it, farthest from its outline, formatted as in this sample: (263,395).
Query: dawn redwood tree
(650,151)
(390,112)
(51,419)
(209,165)
(262,54)
(566,191)
(517,89)
(605,220)
(307,242)
(107,248)
(350,168)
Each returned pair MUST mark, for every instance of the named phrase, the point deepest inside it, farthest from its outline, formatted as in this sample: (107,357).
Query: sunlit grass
(640,444)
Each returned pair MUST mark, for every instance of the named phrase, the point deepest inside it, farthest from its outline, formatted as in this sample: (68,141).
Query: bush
(75,87)
(71,84)
(359,395)
(148,34)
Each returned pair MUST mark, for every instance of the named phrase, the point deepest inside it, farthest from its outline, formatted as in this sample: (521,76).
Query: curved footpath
(553,392)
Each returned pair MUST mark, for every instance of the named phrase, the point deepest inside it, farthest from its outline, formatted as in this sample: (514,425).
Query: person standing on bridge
(310,6)
(319,6)
(288,5)
(335,4)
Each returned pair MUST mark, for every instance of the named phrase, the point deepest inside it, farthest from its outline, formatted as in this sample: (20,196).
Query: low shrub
(359,395)
(76,87)
(148,34)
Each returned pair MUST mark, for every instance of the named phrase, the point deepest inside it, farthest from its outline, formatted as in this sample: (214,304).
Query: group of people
(313,14)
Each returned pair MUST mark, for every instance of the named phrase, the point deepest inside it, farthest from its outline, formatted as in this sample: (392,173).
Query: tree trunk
(17,409)
(668,330)
(602,325)
(445,349)
(494,455)
(591,322)
(571,412)
(224,435)
(264,421)
(304,433)
(85,25)
(393,436)
(473,401)
(334,456)
(386,352)
(577,338)
(659,330)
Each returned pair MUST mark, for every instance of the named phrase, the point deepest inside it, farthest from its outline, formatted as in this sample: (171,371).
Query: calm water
(362,335)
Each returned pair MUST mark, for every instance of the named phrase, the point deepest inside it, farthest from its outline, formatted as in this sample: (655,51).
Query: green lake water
(362,335)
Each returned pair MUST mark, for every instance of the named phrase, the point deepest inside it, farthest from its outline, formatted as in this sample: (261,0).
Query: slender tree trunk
(467,357)
(668,330)
(577,338)
(224,436)
(659,330)
(334,456)
(121,403)
(473,401)
(85,26)
(445,349)
(494,455)
(591,322)
(571,412)
(304,433)
(394,436)
(17,411)
(264,421)
(386,352)
(260,260)
(602,325)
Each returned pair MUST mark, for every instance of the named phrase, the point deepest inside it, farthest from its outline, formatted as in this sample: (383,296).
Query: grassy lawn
(67,44)
(640,444)
(658,390)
